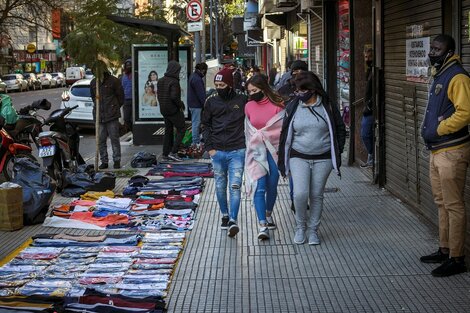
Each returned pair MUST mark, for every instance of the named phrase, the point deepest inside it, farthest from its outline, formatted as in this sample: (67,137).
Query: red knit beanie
(224,75)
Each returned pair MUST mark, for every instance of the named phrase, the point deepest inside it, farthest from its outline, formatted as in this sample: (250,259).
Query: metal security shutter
(316,37)
(405,102)
(465,56)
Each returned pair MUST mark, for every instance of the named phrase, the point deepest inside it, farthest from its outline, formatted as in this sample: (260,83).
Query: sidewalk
(368,260)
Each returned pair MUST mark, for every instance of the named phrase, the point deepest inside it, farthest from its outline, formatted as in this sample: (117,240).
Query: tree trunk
(97,123)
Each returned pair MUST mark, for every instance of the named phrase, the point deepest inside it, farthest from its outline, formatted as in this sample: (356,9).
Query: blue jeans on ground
(266,191)
(195,123)
(309,178)
(228,168)
(367,133)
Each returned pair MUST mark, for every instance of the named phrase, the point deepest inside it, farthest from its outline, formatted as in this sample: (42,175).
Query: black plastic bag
(38,190)
(104,181)
(143,159)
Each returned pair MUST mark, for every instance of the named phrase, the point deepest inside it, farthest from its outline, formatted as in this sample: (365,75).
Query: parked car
(73,74)
(33,81)
(47,81)
(89,74)
(3,87)
(59,78)
(15,82)
(79,94)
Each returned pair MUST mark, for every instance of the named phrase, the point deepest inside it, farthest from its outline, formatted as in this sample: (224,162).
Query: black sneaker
(233,229)
(103,166)
(175,157)
(224,224)
(436,257)
(117,164)
(270,222)
(450,267)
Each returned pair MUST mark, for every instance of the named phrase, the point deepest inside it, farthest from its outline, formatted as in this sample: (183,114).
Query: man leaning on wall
(445,133)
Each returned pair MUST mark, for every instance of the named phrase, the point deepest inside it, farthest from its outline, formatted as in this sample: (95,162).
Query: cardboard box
(11,206)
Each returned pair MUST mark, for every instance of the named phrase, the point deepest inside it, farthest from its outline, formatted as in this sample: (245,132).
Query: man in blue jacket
(445,133)
(196,99)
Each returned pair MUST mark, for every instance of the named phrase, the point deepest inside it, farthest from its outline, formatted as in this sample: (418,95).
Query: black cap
(299,65)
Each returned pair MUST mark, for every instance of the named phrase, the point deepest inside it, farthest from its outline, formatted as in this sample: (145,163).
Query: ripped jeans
(228,170)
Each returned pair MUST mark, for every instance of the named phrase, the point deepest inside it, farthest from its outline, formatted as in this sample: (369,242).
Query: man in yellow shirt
(445,133)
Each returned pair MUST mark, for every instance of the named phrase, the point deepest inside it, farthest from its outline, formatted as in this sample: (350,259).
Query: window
(81,91)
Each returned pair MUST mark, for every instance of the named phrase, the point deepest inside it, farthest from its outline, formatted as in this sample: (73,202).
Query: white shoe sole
(300,242)
(314,243)
(263,236)
(233,230)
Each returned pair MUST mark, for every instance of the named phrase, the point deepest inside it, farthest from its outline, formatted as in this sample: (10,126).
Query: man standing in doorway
(111,100)
(367,124)
(196,99)
(223,131)
(445,133)
(172,109)
(126,81)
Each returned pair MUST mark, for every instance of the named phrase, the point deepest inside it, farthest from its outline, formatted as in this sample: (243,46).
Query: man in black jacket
(111,100)
(172,109)
(223,131)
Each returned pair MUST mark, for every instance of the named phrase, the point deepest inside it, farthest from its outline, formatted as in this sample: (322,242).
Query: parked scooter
(29,124)
(59,147)
(9,151)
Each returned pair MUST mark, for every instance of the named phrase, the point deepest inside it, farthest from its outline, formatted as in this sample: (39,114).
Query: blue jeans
(367,133)
(195,123)
(228,167)
(309,178)
(266,191)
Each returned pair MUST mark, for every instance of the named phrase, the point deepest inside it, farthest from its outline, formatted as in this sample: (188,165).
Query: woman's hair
(307,80)
(150,74)
(260,81)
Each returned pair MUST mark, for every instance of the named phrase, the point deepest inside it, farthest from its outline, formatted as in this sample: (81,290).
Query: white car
(79,94)
(46,80)
(59,79)
(15,82)
(89,74)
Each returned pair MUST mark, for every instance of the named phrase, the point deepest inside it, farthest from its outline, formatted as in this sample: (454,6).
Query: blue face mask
(305,95)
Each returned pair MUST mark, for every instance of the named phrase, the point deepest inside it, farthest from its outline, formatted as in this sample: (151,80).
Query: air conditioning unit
(285,3)
(310,4)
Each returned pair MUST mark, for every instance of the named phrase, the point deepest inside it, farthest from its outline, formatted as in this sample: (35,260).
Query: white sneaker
(299,237)
(270,224)
(263,233)
(313,239)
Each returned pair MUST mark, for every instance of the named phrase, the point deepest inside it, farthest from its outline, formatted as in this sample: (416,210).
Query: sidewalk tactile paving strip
(368,260)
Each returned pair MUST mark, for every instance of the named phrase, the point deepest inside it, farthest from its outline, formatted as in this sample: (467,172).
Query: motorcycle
(59,147)
(10,151)
(29,123)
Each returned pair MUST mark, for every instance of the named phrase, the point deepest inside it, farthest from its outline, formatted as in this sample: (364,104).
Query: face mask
(304,96)
(257,96)
(223,92)
(438,61)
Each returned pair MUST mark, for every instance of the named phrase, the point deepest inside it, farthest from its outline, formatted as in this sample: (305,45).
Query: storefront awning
(279,15)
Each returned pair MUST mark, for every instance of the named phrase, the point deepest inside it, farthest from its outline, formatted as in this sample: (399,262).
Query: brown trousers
(448,171)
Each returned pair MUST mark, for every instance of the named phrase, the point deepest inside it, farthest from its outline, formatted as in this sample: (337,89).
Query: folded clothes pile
(186,169)
(91,273)
(154,206)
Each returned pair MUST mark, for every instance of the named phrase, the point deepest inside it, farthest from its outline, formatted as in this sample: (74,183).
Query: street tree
(94,42)
(18,13)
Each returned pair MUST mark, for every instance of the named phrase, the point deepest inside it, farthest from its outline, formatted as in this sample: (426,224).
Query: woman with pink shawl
(264,115)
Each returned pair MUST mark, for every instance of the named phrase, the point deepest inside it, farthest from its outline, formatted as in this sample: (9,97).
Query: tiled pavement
(367,262)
